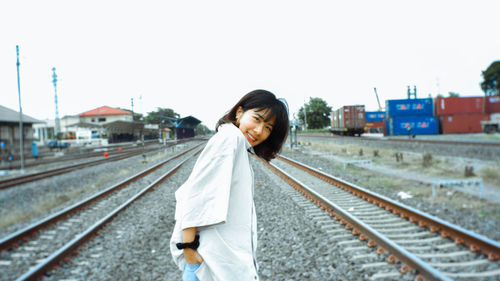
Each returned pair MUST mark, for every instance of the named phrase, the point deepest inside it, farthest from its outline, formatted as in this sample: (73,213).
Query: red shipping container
(458,105)
(462,123)
(492,105)
(374,127)
(352,116)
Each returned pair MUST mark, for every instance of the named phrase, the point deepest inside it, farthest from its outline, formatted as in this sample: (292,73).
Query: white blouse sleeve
(203,199)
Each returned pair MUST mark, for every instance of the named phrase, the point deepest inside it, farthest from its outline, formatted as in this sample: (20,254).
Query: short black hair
(263,100)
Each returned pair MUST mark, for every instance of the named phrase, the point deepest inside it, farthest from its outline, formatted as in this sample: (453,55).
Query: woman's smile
(254,126)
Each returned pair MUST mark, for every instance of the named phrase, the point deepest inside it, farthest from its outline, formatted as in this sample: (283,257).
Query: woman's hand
(192,256)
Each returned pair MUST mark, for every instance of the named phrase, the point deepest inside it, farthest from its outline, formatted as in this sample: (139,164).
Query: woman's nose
(259,128)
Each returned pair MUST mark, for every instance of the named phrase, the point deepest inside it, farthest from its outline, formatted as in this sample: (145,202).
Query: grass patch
(491,174)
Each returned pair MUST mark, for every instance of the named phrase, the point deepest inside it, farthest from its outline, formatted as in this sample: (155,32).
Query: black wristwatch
(192,245)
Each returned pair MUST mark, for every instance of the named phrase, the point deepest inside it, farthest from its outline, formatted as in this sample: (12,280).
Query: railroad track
(30,252)
(384,235)
(79,153)
(12,182)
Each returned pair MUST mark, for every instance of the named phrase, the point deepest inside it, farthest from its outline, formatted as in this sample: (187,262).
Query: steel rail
(70,247)
(25,233)
(6,183)
(360,227)
(83,152)
(474,241)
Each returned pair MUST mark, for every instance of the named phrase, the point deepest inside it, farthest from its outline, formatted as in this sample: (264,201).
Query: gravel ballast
(32,201)
(291,246)
(135,245)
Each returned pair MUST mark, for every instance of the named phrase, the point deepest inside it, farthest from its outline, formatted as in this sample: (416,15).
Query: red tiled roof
(104,111)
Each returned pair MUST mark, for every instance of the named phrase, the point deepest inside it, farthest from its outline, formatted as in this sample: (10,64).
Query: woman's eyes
(258,119)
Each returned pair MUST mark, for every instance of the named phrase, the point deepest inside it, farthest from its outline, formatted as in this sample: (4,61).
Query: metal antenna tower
(57,123)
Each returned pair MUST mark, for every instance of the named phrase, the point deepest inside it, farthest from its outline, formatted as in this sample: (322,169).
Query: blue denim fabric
(188,273)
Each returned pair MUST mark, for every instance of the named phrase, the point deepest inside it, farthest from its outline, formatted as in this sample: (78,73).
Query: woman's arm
(191,255)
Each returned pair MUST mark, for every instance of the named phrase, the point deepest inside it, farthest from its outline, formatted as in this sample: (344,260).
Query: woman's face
(253,125)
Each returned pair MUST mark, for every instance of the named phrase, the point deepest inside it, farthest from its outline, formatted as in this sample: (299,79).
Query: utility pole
(57,123)
(305,116)
(132,104)
(21,129)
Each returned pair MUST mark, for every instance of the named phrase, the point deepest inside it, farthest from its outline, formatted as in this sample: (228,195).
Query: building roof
(122,125)
(188,122)
(8,115)
(104,111)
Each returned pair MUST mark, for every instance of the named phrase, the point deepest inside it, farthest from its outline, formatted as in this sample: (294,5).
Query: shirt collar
(248,146)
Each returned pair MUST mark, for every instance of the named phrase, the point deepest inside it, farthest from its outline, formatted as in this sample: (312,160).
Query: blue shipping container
(410,107)
(413,125)
(374,116)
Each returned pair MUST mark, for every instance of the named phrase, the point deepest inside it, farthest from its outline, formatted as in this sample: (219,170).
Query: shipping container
(492,105)
(374,116)
(462,123)
(348,120)
(409,107)
(335,119)
(374,127)
(458,105)
(412,125)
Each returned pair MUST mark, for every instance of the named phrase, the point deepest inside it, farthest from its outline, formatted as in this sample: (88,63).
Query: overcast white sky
(200,57)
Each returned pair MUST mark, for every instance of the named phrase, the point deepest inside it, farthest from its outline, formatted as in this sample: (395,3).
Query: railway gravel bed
(27,203)
(54,237)
(454,260)
(67,159)
(292,244)
(135,245)
(467,218)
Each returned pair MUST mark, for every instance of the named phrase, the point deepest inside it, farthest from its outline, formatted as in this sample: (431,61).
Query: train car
(374,121)
(349,120)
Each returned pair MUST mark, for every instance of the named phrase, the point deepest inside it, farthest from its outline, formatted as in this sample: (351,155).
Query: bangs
(267,113)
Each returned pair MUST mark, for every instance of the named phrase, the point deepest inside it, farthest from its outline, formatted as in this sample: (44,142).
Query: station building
(106,124)
(184,127)
(10,133)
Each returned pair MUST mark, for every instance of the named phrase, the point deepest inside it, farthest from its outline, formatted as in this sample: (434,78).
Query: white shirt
(217,198)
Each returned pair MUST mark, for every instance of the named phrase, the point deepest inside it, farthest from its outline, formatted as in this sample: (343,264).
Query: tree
(491,83)
(161,116)
(453,94)
(317,113)
(136,117)
(201,130)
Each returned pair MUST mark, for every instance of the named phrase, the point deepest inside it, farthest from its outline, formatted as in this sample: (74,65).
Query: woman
(215,234)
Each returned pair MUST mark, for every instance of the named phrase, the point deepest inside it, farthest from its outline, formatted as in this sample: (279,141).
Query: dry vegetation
(425,163)
(420,164)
